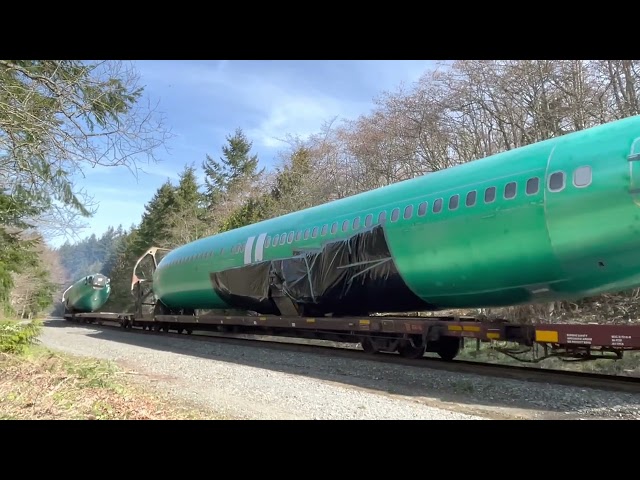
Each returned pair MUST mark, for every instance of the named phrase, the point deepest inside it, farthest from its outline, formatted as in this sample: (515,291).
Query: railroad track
(515,372)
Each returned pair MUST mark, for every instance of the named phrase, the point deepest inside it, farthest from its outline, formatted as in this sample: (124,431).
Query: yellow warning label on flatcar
(262,318)
(455,328)
(493,335)
(365,322)
(311,320)
(547,336)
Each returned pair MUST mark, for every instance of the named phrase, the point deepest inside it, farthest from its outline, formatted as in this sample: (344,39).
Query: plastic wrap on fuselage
(353,276)
(245,287)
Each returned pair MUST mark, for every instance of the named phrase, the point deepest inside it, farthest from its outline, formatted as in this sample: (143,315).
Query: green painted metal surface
(88,294)
(543,244)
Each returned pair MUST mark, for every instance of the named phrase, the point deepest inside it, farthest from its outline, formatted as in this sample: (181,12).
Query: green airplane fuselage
(88,294)
(558,219)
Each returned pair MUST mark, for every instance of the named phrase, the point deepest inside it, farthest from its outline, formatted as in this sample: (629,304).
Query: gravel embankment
(259,383)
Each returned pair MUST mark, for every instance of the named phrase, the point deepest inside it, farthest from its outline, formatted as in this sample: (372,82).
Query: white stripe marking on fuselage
(260,246)
(248,249)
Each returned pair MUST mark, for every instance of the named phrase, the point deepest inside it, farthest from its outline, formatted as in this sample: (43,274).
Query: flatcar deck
(377,333)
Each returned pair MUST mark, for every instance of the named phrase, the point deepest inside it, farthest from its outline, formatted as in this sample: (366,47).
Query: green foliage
(91,255)
(252,211)
(153,229)
(16,337)
(16,254)
(53,114)
(291,177)
(289,183)
(235,167)
(92,373)
(18,205)
(57,117)
(187,195)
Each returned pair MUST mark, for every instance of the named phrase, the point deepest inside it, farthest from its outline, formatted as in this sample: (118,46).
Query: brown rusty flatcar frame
(593,335)
(410,336)
(579,341)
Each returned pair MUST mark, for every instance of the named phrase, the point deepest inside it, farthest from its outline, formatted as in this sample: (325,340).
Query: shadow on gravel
(445,386)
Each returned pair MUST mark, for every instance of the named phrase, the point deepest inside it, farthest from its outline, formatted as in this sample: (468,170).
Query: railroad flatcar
(87,295)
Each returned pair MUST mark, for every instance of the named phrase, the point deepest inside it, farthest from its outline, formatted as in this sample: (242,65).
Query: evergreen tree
(125,257)
(153,227)
(235,166)
(187,193)
(291,178)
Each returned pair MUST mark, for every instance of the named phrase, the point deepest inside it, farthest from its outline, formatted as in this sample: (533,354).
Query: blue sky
(204,101)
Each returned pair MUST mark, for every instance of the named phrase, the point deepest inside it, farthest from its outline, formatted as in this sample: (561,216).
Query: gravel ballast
(262,383)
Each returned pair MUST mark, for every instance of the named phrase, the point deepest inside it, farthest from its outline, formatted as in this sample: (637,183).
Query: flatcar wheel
(189,331)
(179,330)
(448,348)
(368,347)
(409,351)
(156,327)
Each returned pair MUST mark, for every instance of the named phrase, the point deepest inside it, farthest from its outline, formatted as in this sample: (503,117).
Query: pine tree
(235,167)
(153,228)
(187,194)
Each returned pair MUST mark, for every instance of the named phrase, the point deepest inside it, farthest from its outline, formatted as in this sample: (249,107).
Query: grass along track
(528,373)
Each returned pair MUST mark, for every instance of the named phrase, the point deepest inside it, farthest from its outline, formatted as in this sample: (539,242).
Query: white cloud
(205,101)
(278,103)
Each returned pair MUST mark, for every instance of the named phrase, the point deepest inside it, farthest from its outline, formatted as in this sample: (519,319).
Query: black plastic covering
(353,276)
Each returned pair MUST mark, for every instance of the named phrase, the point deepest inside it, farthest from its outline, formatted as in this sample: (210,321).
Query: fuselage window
(314,232)
(267,242)
(422,209)
(334,227)
(283,238)
(471,198)
(290,238)
(437,206)
(582,176)
(345,225)
(306,234)
(356,223)
(325,227)
(489,194)
(510,190)
(556,181)
(368,220)
(395,214)
(453,202)
(408,212)
(275,240)
(382,217)
(298,236)
(533,184)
